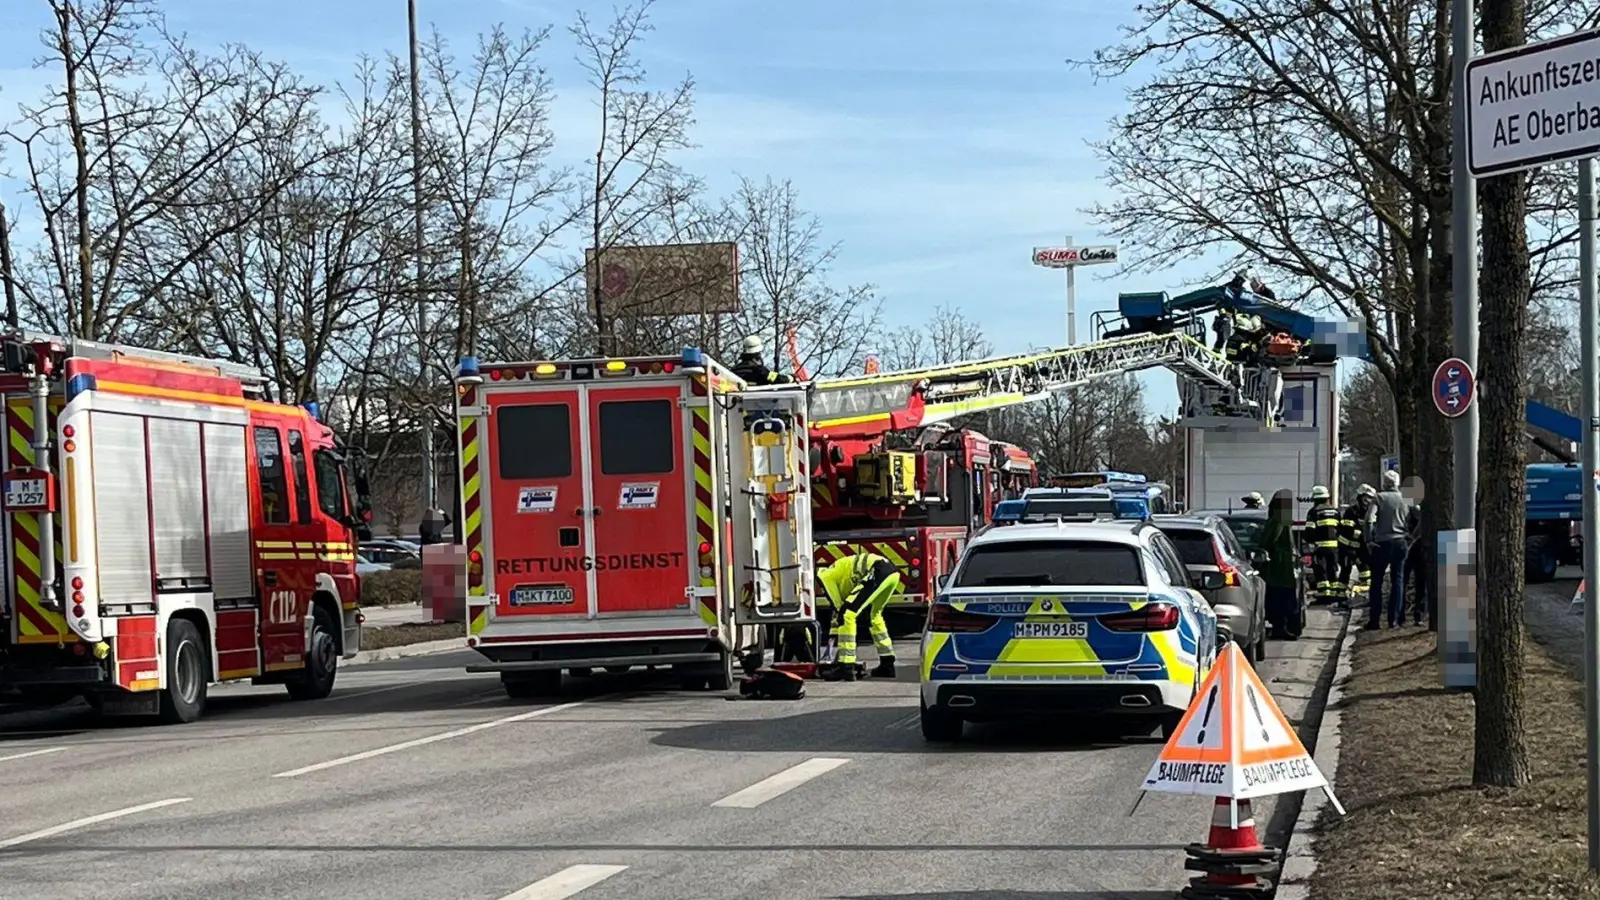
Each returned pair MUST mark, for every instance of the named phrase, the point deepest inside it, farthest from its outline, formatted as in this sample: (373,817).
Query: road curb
(404,651)
(1300,860)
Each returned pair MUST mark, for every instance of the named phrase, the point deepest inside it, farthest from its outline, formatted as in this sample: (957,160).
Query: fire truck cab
(166,528)
(630,512)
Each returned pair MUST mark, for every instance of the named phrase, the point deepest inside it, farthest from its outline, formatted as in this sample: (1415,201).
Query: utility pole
(1072,300)
(425,438)
(1464,280)
(1589,340)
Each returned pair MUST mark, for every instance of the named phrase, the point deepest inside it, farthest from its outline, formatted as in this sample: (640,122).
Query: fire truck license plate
(541,595)
(1051,630)
(24,492)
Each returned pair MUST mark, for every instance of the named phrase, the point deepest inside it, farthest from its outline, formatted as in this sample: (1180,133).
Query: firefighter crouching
(1322,533)
(867,582)
(1352,537)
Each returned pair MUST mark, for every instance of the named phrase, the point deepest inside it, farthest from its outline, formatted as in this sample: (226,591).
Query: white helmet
(1366,490)
(1254,497)
(1319,493)
(752,345)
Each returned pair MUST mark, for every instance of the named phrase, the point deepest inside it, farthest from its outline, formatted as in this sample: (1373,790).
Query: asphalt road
(416,780)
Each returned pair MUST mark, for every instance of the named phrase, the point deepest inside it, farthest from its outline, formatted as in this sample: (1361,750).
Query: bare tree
(634,179)
(139,125)
(1500,740)
(947,336)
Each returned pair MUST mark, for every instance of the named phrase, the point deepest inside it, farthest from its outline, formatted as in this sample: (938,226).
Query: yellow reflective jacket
(840,578)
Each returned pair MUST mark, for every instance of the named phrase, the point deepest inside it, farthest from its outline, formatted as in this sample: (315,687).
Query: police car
(1082,618)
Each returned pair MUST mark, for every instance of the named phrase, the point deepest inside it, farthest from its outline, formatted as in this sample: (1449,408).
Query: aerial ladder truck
(658,511)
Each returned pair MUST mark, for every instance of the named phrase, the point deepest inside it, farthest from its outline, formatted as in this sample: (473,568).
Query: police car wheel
(940,725)
(1170,722)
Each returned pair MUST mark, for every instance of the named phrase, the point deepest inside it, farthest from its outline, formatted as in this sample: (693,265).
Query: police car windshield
(1051,563)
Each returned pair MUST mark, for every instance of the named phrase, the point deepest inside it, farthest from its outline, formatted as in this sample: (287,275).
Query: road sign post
(1454,387)
(1523,108)
(1070,256)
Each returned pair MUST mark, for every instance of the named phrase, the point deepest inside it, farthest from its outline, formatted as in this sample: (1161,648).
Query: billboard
(1069,257)
(663,279)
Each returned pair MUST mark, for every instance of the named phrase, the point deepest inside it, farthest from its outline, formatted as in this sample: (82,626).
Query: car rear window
(1248,531)
(1051,563)
(1195,548)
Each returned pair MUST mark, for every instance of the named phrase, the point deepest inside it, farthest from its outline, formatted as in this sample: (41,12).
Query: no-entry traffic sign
(1454,387)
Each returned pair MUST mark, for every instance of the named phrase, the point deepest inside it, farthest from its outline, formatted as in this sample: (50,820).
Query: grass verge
(1416,826)
(379,637)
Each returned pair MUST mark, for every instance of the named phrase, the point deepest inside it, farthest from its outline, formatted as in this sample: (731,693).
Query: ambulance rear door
(640,477)
(537,503)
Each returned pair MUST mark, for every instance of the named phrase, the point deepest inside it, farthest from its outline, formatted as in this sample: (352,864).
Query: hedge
(394,587)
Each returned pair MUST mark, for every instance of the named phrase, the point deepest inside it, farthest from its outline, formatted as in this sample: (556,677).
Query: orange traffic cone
(1232,858)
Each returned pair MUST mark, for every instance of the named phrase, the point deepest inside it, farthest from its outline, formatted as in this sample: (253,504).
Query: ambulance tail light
(916,567)
(943,617)
(544,370)
(1150,617)
(475,562)
(705,559)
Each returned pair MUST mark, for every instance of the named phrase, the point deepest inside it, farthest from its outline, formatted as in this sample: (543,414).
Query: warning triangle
(1233,741)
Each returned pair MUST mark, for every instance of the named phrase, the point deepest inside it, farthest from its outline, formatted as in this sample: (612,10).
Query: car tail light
(944,617)
(1150,617)
(1230,573)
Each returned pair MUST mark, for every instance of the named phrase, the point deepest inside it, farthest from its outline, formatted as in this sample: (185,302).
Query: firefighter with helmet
(1352,536)
(1322,533)
(1253,500)
(855,584)
(753,369)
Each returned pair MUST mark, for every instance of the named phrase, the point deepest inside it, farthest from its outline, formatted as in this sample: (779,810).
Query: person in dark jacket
(753,369)
(1352,531)
(1421,560)
(1281,570)
(1393,528)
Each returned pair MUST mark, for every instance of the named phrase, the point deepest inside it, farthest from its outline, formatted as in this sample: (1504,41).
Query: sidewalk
(1416,826)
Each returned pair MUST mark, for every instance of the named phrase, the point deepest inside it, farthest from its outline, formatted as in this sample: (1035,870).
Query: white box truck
(1223,465)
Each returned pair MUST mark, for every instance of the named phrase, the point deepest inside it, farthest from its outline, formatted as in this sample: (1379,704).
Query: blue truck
(1554,499)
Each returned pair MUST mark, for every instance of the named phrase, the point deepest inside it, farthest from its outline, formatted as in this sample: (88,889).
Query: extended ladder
(891,401)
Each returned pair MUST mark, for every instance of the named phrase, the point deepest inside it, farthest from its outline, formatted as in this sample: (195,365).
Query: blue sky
(939,141)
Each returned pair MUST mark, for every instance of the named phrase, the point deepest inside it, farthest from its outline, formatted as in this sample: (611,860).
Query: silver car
(1207,545)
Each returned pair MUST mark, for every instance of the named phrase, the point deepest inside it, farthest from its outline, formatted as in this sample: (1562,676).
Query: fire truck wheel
(184,698)
(322,663)
(707,677)
(531,685)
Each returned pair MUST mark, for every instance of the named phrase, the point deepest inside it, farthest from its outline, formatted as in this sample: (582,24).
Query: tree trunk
(1500,745)
(1440,479)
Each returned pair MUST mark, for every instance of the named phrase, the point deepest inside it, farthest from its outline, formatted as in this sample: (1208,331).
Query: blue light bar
(468,367)
(693,356)
(314,409)
(80,383)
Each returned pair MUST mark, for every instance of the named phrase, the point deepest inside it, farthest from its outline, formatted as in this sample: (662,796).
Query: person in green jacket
(1281,572)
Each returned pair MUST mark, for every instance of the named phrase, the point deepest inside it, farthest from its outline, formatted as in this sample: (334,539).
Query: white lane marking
(565,883)
(367,692)
(904,723)
(432,739)
(75,824)
(31,753)
(781,783)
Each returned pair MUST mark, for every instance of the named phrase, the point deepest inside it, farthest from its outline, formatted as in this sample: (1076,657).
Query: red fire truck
(167,528)
(912,497)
